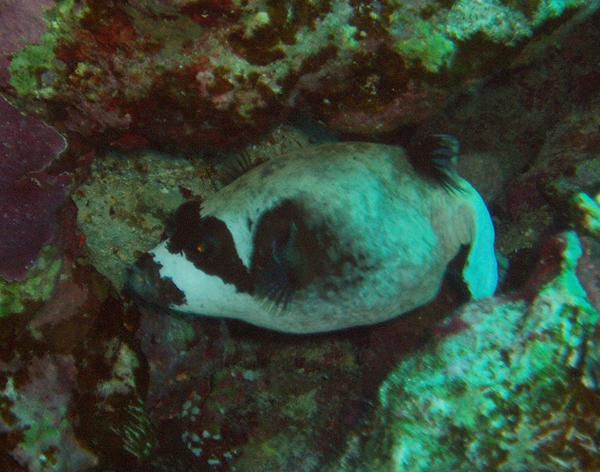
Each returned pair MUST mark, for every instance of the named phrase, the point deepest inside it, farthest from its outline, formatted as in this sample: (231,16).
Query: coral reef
(514,389)
(89,381)
(35,414)
(202,73)
(29,197)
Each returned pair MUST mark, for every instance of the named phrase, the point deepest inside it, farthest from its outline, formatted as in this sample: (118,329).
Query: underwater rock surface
(133,197)
(515,385)
(189,74)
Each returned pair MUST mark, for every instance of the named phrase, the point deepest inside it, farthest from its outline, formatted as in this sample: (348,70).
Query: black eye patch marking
(289,254)
(184,216)
(208,244)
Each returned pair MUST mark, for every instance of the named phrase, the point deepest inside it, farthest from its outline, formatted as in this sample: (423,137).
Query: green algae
(430,46)
(31,68)
(27,65)
(37,287)
(433,41)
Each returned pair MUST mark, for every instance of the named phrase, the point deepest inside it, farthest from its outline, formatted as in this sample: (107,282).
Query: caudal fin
(480,272)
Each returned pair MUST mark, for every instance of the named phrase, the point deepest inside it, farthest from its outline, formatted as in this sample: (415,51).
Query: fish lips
(145,284)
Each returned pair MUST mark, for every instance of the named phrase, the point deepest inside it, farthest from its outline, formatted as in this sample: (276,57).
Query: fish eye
(207,247)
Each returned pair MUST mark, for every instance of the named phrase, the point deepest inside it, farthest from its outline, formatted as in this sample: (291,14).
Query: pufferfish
(324,238)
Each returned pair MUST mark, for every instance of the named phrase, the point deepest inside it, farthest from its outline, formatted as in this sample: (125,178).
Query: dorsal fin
(436,157)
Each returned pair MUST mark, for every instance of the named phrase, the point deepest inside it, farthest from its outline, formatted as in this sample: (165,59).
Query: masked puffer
(324,238)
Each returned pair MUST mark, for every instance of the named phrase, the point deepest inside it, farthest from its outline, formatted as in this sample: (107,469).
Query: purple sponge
(29,197)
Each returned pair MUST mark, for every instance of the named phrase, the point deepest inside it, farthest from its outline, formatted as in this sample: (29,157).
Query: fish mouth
(145,285)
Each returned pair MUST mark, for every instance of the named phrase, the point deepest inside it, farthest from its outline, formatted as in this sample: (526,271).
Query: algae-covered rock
(192,74)
(37,287)
(515,388)
(122,207)
(587,212)
(35,410)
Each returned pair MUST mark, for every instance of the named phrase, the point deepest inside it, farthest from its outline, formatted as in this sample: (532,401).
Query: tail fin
(480,272)
(435,157)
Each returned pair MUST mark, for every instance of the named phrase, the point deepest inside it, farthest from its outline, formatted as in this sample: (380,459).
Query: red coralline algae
(66,303)
(29,197)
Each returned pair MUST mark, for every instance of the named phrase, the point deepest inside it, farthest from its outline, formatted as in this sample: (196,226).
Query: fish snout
(144,283)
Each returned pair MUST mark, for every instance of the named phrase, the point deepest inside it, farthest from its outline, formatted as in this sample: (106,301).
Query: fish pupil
(209,247)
